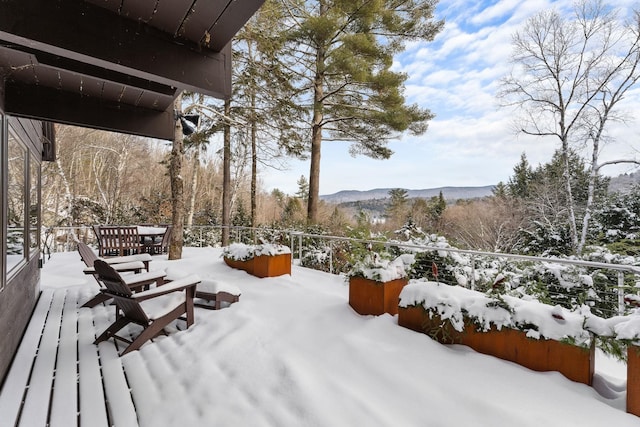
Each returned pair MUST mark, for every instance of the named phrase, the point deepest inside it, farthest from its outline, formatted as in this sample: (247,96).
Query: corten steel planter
(371,297)
(633,379)
(271,265)
(246,265)
(574,362)
(263,265)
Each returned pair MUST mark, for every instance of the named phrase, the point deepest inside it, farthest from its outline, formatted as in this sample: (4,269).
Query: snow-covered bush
(382,269)
(455,304)
(242,252)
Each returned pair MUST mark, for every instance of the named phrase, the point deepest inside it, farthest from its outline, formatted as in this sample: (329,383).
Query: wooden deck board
(59,378)
(92,408)
(13,390)
(41,381)
(64,405)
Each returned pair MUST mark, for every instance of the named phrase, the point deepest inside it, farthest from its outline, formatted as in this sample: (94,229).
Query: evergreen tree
(343,53)
(546,201)
(437,205)
(396,211)
(501,191)
(519,184)
(241,218)
(262,94)
(303,188)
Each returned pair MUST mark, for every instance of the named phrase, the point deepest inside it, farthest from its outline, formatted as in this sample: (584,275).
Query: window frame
(18,266)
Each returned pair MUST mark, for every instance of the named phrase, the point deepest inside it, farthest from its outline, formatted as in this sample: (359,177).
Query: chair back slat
(87,255)
(109,240)
(129,240)
(111,278)
(121,293)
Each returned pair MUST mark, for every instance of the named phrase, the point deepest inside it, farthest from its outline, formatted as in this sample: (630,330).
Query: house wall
(20,287)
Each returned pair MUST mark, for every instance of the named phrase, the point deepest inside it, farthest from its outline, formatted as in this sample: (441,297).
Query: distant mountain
(449,193)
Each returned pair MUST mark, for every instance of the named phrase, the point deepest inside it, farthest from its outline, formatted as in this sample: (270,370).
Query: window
(16,202)
(34,205)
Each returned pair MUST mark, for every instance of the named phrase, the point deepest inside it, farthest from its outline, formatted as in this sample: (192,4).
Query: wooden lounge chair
(153,309)
(133,263)
(214,293)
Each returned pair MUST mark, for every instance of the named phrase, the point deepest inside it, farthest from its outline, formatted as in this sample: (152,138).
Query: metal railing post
(300,247)
(621,293)
(331,257)
(473,272)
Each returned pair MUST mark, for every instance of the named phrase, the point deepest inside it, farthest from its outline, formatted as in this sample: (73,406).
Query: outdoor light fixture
(189,123)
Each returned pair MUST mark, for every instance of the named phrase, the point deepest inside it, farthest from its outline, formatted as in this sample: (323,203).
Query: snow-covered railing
(59,239)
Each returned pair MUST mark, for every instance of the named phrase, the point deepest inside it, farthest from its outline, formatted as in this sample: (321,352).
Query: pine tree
(262,94)
(343,53)
(396,210)
(303,189)
(518,185)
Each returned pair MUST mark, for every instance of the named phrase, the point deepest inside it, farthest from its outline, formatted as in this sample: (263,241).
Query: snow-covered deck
(291,352)
(59,377)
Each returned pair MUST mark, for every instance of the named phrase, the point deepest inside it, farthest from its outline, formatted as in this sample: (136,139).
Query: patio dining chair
(159,245)
(132,263)
(152,309)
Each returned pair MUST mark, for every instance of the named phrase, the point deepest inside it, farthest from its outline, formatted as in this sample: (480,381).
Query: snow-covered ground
(292,352)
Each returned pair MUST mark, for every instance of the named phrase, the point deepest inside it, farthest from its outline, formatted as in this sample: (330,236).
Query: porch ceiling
(116,64)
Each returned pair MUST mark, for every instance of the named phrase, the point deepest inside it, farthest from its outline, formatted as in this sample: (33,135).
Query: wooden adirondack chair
(133,263)
(153,309)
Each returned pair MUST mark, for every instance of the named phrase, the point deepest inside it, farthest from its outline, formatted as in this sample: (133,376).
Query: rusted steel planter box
(574,362)
(263,265)
(246,265)
(371,297)
(633,379)
(271,265)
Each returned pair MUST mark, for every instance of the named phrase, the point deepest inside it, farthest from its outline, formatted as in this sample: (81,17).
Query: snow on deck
(59,377)
(291,352)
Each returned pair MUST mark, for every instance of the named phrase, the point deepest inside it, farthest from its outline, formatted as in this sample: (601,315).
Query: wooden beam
(79,31)
(48,104)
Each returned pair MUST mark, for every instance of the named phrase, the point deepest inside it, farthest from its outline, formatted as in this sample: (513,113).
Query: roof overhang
(116,65)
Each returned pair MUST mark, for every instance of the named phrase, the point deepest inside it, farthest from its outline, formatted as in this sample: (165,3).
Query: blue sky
(471,141)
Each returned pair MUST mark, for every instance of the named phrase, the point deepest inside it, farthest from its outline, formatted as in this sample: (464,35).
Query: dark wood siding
(17,301)
(1,96)
(19,295)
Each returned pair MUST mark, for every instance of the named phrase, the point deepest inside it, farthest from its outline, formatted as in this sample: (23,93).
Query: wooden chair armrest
(128,258)
(150,276)
(120,268)
(176,285)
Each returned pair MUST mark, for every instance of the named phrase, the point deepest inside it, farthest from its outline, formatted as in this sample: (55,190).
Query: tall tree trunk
(316,138)
(254,161)
(177,187)
(226,176)
(194,177)
(194,185)
(570,202)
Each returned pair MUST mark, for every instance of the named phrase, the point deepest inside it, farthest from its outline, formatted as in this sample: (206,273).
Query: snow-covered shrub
(455,304)
(381,268)
(242,252)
